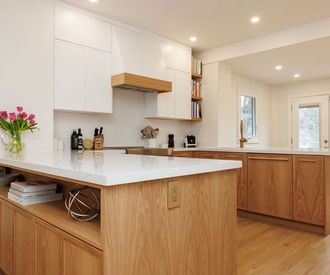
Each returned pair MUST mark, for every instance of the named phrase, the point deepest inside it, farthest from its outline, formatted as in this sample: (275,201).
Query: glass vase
(12,142)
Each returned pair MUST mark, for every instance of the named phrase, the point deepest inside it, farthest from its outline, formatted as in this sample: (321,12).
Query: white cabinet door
(176,56)
(82,29)
(82,79)
(182,88)
(98,90)
(173,105)
(69,76)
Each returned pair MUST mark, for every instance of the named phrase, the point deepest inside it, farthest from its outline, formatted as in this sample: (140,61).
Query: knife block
(98,142)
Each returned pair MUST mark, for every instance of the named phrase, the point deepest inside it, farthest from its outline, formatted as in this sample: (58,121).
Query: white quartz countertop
(109,168)
(264,150)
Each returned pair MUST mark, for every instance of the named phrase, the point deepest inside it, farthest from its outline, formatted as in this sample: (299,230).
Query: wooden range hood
(141,83)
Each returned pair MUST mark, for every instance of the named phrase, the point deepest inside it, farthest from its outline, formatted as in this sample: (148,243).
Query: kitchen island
(281,185)
(158,215)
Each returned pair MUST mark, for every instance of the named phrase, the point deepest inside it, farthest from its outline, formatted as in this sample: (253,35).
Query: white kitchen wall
(26,64)
(123,126)
(281,98)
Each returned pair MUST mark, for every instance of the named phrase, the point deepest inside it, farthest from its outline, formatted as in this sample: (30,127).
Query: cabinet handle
(308,160)
(264,158)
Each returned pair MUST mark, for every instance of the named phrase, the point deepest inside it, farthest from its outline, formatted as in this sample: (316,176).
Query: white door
(310,118)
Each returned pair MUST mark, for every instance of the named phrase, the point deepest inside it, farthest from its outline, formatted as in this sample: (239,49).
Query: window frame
(252,139)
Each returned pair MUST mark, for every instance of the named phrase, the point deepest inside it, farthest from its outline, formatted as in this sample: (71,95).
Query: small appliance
(190,141)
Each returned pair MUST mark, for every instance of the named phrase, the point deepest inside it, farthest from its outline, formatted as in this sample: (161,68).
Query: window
(309,126)
(249,115)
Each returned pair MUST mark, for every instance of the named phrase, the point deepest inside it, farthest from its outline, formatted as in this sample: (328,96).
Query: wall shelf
(196,76)
(196,98)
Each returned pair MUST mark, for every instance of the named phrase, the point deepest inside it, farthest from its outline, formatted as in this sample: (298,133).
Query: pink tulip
(19,109)
(4,114)
(12,116)
(31,117)
(32,122)
(23,115)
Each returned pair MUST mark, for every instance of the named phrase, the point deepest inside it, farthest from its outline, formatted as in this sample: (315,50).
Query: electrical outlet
(173,194)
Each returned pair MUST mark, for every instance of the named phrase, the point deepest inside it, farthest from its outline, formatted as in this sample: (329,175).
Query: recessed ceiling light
(193,38)
(255,19)
(93,1)
(278,67)
(296,76)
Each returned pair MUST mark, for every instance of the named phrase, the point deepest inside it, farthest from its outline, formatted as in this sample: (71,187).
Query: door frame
(290,110)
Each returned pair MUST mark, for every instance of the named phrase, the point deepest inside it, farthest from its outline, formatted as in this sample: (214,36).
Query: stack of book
(196,111)
(196,66)
(196,88)
(26,193)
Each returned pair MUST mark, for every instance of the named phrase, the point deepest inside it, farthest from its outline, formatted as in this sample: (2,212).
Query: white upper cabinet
(174,105)
(177,57)
(82,79)
(82,29)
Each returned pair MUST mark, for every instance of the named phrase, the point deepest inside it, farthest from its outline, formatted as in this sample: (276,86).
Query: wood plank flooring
(267,249)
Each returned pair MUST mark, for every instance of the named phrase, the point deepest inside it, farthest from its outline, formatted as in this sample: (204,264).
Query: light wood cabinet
(308,189)
(242,188)
(80,258)
(208,155)
(270,185)
(183,154)
(24,245)
(48,249)
(7,237)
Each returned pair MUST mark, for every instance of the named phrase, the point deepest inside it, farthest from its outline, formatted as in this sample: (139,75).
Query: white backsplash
(122,128)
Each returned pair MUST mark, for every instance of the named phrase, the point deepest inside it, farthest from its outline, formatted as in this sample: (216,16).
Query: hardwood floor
(267,249)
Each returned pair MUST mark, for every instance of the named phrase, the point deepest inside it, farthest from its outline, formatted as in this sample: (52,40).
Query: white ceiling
(214,22)
(310,59)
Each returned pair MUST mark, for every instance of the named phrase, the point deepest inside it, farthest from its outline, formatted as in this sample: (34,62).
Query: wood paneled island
(143,227)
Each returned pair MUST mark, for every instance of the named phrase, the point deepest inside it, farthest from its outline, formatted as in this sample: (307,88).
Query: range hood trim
(141,83)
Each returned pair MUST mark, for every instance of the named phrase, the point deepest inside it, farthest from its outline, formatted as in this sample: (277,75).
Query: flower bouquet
(13,125)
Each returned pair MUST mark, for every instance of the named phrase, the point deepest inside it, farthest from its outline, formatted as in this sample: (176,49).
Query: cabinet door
(208,155)
(69,76)
(80,258)
(308,189)
(98,90)
(182,90)
(82,29)
(7,237)
(242,189)
(270,184)
(183,154)
(48,251)
(24,245)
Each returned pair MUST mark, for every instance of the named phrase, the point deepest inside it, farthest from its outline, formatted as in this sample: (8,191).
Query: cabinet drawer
(183,154)
(208,155)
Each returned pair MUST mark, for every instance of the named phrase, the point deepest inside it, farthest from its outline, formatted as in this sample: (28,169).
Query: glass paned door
(310,122)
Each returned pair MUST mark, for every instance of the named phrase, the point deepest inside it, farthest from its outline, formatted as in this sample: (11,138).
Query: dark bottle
(170,141)
(74,140)
(80,140)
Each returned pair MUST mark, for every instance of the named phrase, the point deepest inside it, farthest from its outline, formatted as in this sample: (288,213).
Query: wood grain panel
(143,236)
(208,155)
(133,81)
(183,154)
(270,184)
(242,187)
(49,250)
(327,195)
(24,245)
(7,237)
(81,259)
(308,189)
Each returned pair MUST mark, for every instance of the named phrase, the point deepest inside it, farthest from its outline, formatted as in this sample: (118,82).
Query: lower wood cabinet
(208,155)
(6,237)
(308,189)
(31,246)
(270,185)
(242,188)
(24,245)
(183,154)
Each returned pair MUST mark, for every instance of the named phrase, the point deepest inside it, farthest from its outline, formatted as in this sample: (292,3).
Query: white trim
(244,92)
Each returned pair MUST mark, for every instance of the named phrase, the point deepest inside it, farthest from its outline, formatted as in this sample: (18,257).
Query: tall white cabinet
(82,62)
